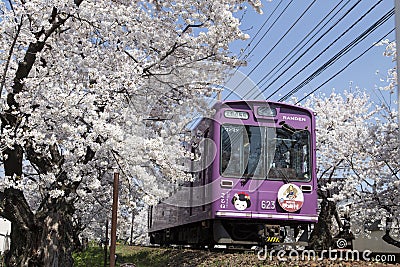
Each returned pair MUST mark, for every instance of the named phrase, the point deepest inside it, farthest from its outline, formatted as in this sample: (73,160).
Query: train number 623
(268,204)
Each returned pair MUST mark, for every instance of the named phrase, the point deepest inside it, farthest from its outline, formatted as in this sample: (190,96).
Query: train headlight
(266,111)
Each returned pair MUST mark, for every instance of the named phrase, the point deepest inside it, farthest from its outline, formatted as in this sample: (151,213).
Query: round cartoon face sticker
(290,197)
(241,201)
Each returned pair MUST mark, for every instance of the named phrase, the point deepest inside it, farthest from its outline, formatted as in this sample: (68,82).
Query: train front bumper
(284,216)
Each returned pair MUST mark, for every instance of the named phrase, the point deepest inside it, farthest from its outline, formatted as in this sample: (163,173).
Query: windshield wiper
(284,177)
(287,127)
(244,180)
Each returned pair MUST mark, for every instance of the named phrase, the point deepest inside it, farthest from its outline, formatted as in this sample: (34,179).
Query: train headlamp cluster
(266,111)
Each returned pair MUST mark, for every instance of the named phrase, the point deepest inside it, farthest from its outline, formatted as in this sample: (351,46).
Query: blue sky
(362,73)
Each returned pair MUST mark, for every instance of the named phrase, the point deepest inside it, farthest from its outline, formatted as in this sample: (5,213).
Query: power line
(342,52)
(304,45)
(270,27)
(262,26)
(321,53)
(255,36)
(345,67)
(291,27)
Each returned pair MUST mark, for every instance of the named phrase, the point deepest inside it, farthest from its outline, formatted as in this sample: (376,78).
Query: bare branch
(191,26)
(3,81)
(394,172)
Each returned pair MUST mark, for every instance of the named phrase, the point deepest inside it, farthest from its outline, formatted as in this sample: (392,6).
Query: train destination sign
(234,114)
(290,197)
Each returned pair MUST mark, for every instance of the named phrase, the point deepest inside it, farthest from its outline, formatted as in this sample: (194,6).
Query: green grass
(161,257)
(140,256)
(92,256)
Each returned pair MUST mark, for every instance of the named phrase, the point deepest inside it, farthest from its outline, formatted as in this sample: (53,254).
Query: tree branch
(3,81)
(388,239)
(15,208)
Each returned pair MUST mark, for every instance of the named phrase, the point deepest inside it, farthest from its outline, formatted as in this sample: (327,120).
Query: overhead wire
(270,27)
(258,42)
(345,67)
(342,52)
(276,44)
(320,54)
(262,37)
(255,36)
(304,45)
(327,64)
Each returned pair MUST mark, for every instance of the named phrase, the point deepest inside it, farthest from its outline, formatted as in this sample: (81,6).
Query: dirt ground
(145,256)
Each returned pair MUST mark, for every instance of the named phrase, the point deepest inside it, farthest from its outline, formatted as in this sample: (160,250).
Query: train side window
(191,199)
(200,153)
(206,153)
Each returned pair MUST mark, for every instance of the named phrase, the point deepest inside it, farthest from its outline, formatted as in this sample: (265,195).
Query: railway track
(282,255)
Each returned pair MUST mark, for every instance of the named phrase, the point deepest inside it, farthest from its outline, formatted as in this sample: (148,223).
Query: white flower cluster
(94,85)
(391,52)
(358,144)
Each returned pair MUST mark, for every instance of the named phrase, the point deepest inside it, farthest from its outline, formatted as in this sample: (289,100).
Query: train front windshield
(265,152)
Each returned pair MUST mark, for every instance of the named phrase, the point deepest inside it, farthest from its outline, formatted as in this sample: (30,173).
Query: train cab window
(292,156)
(265,152)
(244,151)
(232,150)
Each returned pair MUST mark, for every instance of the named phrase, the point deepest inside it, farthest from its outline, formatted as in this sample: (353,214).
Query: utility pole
(397,23)
(106,244)
(133,220)
(114,220)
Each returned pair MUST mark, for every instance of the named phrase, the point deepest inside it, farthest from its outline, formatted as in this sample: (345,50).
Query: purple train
(254,179)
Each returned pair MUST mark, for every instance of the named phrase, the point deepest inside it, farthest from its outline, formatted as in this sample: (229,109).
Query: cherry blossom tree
(340,125)
(358,170)
(359,144)
(89,86)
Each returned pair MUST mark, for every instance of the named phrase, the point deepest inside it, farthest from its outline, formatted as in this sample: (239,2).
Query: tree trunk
(388,239)
(58,241)
(46,238)
(321,236)
(24,247)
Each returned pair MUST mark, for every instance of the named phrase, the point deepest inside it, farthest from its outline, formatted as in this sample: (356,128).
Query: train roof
(249,103)
(233,103)
(254,101)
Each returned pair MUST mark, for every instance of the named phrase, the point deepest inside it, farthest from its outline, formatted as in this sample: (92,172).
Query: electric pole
(114,220)
(397,23)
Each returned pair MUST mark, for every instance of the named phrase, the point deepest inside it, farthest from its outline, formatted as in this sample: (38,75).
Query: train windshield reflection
(265,152)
